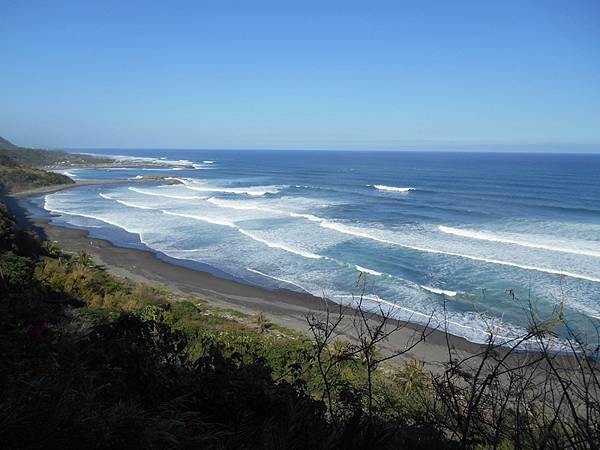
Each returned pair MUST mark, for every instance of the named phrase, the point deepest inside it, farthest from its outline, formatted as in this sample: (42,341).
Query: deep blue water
(471,226)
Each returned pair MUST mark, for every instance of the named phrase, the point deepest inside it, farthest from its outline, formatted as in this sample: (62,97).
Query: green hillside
(20,168)
(41,158)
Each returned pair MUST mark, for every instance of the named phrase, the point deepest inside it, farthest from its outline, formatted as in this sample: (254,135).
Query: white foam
(439,291)
(156,194)
(354,231)
(377,299)
(381,187)
(367,234)
(124,203)
(181,180)
(255,191)
(232,204)
(208,162)
(486,236)
(162,169)
(242,207)
(201,218)
(281,246)
(161,160)
(307,217)
(475,333)
(47,207)
(359,232)
(369,271)
(277,278)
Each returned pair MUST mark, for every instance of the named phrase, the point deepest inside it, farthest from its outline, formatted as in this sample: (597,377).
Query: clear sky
(302,74)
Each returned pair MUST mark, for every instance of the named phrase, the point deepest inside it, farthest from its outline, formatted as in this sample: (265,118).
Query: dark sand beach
(283,307)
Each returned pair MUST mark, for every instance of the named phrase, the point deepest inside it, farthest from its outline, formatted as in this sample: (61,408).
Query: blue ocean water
(448,234)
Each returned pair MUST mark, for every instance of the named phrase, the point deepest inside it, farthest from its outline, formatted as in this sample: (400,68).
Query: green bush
(15,272)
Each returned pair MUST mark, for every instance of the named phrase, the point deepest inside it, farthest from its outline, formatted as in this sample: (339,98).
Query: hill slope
(6,144)
(40,158)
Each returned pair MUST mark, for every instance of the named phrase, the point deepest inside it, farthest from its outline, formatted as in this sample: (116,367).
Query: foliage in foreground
(90,360)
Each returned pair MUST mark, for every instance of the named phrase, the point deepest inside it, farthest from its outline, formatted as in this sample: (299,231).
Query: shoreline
(283,307)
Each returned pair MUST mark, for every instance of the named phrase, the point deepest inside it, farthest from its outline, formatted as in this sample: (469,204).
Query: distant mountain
(5,144)
(41,158)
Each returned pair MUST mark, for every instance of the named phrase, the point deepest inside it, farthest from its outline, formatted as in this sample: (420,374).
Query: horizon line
(472,148)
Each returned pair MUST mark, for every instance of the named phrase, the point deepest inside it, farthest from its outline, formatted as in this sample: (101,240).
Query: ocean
(470,238)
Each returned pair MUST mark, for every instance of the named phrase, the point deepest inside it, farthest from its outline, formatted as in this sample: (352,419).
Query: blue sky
(322,74)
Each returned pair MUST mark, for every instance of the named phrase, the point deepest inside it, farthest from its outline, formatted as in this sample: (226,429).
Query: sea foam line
(124,203)
(200,218)
(277,245)
(67,173)
(253,191)
(485,236)
(360,233)
(226,204)
(441,323)
(353,231)
(377,299)
(278,279)
(369,271)
(90,216)
(438,291)
(281,246)
(381,187)
(156,194)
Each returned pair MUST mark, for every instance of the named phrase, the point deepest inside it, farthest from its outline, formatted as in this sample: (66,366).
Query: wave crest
(381,187)
(439,291)
(369,271)
(280,246)
(491,237)
(255,191)
(156,194)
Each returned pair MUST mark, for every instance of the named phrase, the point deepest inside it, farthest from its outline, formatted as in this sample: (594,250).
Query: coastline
(283,307)
(62,187)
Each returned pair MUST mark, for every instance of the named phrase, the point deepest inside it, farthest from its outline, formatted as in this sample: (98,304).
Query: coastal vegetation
(37,158)
(16,177)
(20,167)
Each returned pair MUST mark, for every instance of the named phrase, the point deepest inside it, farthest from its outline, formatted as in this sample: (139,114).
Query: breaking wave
(156,194)
(486,236)
(381,187)
(439,291)
(257,191)
(281,246)
(277,278)
(369,271)
(358,232)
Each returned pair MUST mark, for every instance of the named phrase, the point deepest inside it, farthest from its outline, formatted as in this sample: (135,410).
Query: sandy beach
(283,307)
